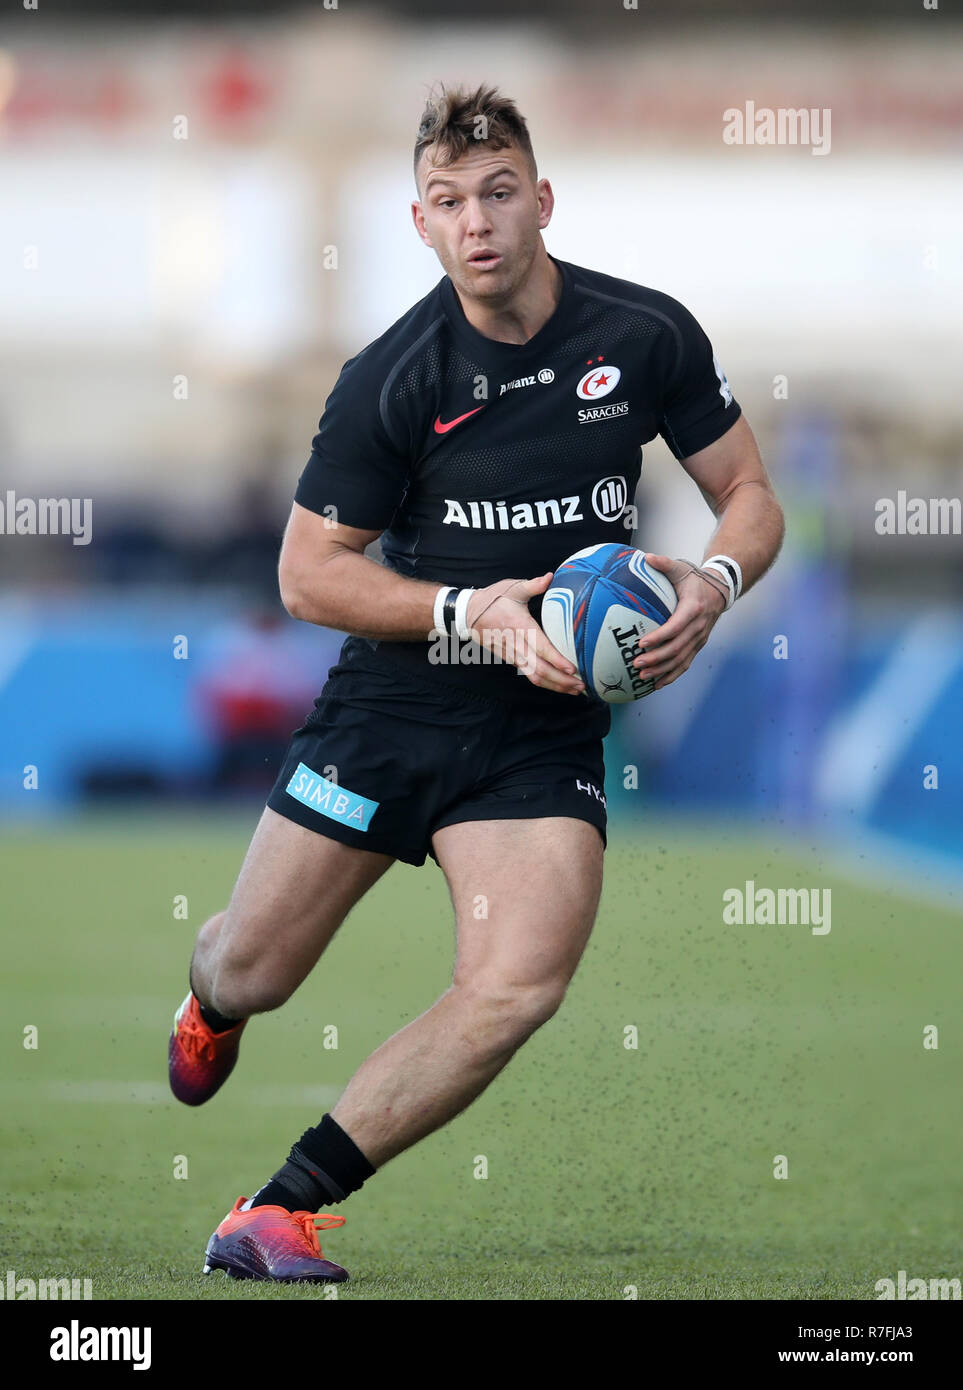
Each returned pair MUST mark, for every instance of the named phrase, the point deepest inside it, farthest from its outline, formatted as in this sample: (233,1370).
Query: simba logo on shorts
(319,794)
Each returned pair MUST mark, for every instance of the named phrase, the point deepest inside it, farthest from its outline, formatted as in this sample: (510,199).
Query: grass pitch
(609,1168)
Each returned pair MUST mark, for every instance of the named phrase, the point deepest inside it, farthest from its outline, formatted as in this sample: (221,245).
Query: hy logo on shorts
(319,794)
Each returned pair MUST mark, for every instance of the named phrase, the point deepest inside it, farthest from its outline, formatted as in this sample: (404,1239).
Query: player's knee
(540,1002)
(206,943)
(500,1015)
(546,1003)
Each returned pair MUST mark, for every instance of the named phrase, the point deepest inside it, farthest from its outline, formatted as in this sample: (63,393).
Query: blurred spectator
(256,685)
(245,555)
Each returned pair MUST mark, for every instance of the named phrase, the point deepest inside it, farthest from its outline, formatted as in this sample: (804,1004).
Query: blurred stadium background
(195,297)
(218,198)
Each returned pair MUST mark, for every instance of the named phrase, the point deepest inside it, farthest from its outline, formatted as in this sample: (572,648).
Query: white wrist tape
(437,615)
(461,613)
(731,566)
(726,577)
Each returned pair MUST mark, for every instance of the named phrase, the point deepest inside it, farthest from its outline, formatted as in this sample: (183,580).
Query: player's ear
(418,217)
(546,202)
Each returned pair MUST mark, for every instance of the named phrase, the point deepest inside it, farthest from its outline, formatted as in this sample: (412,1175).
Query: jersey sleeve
(354,468)
(697,405)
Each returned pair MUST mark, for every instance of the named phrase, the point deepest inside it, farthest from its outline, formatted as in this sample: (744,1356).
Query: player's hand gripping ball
(601,603)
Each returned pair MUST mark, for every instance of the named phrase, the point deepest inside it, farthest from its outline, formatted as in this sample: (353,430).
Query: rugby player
(489,433)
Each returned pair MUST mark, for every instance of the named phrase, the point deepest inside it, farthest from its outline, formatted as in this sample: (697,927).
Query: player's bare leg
(540,882)
(294,890)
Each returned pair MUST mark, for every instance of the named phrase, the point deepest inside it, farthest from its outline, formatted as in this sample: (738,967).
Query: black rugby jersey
(482,460)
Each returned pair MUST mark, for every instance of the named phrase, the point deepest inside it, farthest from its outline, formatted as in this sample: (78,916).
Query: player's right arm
(326,578)
(351,487)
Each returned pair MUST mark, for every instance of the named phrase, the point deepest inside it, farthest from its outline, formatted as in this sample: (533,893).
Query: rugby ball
(602,601)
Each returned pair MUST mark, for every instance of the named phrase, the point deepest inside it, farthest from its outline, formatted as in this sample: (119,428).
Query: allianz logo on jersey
(609,498)
(546,376)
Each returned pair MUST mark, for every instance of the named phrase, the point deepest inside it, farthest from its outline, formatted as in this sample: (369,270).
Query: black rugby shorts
(385,759)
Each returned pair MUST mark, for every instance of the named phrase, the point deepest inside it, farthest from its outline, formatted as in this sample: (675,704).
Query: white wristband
(461,613)
(727,577)
(733,568)
(438,614)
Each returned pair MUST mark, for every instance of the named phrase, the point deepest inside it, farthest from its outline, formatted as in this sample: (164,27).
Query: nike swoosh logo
(444,428)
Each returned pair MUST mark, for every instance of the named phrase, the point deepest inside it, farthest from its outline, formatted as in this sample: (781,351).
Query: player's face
(483,217)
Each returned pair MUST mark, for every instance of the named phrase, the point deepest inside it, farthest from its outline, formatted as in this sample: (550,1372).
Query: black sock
(324,1167)
(215,1021)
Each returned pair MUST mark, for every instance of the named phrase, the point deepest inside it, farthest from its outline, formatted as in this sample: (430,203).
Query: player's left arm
(733,479)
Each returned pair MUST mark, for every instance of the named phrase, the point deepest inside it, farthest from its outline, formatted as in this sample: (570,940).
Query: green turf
(607,1167)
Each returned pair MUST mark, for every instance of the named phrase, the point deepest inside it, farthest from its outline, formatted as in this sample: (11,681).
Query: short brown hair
(453,119)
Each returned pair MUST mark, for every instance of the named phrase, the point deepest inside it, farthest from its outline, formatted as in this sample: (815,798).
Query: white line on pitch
(158,1093)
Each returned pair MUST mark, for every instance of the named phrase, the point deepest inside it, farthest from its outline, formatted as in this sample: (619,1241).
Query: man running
(489,433)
